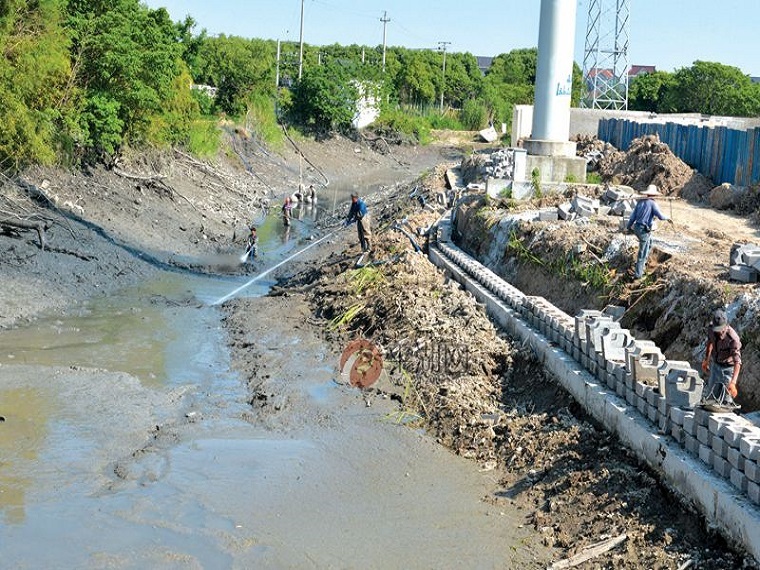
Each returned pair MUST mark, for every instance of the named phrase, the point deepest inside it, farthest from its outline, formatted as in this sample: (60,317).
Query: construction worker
(358,213)
(641,222)
(723,359)
(252,245)
(286,209)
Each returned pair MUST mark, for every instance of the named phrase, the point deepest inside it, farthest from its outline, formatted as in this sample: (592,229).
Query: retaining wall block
(753,492)
(614,343)
(691,444)
(677,433)
(632,348)
(719,447)
(646,360)
(641,405)
(721,466)
(716,422)
(652,414)
(683,388)
(751,470)
(704,436)
(665,367)
(630,396)
(735,458)
(738,480)
(580,321)
(701,416)
(596,327)
(706,455)
(677,415)
(664,423)
(663,407)
(733,433)
(652,396)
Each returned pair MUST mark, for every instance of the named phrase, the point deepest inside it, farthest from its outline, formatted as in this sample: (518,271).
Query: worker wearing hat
(641,222)
(358,213)
(723,358)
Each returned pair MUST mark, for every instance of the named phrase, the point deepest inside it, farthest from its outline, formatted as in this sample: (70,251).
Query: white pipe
(268,271)
(554,70)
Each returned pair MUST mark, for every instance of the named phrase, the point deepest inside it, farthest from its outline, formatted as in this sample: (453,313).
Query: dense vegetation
(80,79)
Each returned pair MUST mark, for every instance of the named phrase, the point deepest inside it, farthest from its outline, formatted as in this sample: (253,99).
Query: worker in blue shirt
(641,221)
(358,213)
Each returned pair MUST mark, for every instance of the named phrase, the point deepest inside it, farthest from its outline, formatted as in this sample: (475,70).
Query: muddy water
(127,442)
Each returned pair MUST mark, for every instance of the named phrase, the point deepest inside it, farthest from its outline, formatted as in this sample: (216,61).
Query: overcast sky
(668,34)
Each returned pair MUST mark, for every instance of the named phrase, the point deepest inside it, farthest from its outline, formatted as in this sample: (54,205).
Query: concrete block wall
(626,384)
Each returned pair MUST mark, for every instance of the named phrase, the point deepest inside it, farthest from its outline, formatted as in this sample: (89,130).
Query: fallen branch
(589,552)
(39,227)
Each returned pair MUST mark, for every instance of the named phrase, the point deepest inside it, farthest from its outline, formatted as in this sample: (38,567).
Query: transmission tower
(605,57)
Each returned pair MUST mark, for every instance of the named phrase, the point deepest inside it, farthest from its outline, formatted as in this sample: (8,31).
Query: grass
(344,319)
(204,140)
(365,278)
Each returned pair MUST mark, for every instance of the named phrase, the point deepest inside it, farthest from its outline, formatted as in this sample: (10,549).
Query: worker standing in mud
(358,213)
(723,359)
(287,207)
(252,245)
(641,222)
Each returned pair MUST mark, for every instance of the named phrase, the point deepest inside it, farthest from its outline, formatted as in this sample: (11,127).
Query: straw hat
(651,191)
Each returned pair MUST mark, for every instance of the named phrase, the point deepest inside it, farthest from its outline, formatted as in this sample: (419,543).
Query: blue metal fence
(722,154)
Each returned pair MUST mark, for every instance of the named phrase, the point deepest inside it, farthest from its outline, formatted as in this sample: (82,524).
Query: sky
(668,34)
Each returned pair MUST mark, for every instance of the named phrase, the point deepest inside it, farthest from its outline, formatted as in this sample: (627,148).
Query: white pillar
(554,71)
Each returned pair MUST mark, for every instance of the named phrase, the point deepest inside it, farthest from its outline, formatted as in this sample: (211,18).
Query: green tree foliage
(713,89)
(510,81)
(238,67)
(36,94)
(324,99)
(647,91)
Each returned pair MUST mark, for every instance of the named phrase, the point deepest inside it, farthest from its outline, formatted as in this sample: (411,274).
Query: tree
(648,91)
(324,99)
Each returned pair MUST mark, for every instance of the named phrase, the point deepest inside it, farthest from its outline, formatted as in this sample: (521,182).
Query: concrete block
(596,327)
(753,492)
(704,436)
(716,422)
(580,321)
(584,212)
(750,470)
(677,433)
(642,406)
(641,389)
(721,466)
(663,422)
(677,415)
(614,342)
(683,388)
(733,433)
(652,395)
(738,480)
(691,444)
(719,447)
(652,414)
(614,311)
(735,458)
(665,367)
(742,273)
(750,448)
(645,361)
(623,392)
(631,397)
(701,416)
(603,210)
(689,424)
(631,349)
(706,455)
(548,215)
(564,211)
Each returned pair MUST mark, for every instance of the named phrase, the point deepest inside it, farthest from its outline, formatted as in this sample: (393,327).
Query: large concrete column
(554,80)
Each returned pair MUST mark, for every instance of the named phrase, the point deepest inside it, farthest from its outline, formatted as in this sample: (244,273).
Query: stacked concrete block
(678,418)
(744,261)
(643,361)
(683,387)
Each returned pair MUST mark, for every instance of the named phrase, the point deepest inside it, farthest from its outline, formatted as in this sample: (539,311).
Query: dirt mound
(650,161)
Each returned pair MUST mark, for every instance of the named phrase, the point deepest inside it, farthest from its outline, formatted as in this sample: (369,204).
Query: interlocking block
(642,406)
(719,447)
(596,327)
(689,424)
(652,413)
(663,422)
(665,368)
(701,416)
(678,415)
(691,444)
(739,480)
(631,397)
(721,466)
(733,433)
(753,492)
(632,347)
(735,458)
(706,455)
(751,470)
(580,322)
(614,342)
(677,432)
(652,396)
(750,447)
(683,387)
(623,392)
(645,361)
(704,436)
(716,422)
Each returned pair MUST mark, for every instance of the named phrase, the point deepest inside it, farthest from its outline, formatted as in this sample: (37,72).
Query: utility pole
(443,86)
(385,19)
(300,55)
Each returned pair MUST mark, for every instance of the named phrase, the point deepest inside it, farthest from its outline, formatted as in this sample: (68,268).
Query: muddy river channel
(127,441)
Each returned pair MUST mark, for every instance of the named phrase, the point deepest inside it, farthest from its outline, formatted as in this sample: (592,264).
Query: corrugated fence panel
(722,154)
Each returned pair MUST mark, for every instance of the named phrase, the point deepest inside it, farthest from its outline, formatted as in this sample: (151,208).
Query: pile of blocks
(501,164)
(616,201)
(744,262)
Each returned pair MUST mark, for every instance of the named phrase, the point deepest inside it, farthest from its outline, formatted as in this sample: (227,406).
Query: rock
(725,196)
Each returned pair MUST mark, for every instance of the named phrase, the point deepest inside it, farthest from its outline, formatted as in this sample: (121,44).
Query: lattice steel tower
(605,57)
